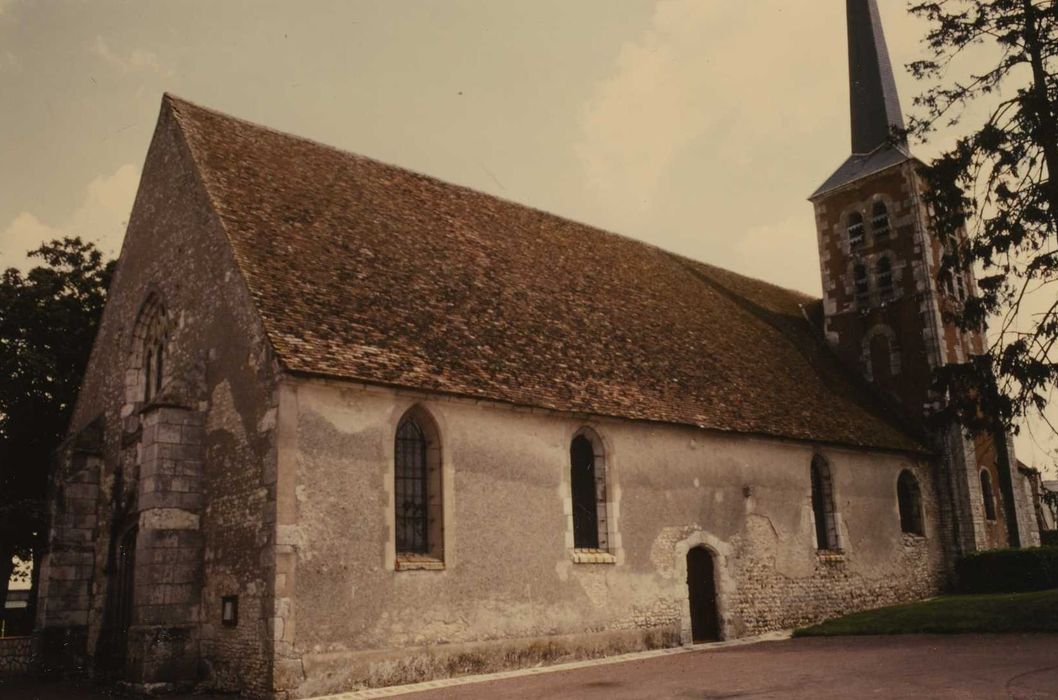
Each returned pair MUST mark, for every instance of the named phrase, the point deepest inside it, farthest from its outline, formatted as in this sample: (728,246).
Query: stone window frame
(150,340)
(988,496)
(828,539)
(606,505)
(909,504)
(894,350)
(434,556)
(724,581)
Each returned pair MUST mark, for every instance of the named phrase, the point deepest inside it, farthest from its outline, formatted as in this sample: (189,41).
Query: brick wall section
(16,655)
(911,314)
(914,320)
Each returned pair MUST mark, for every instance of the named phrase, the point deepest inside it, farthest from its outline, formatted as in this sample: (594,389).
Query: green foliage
(1050,501)
(1008,570)
(1008,612)
(996,183)
(48,320)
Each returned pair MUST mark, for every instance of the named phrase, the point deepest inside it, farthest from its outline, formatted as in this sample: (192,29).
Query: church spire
(872,88)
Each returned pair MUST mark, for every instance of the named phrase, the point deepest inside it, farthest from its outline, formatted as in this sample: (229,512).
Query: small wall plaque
(229,610)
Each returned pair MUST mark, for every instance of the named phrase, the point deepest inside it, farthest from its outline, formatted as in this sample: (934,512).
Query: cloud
(784,252)
(135,60)
(702,77)
(9,62)
(100,218)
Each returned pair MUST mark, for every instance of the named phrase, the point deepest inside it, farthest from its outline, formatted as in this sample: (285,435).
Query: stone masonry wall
(218,368)
(68,564)
(16,655)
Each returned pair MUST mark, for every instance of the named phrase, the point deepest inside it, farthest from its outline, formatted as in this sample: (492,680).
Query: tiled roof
(369,272)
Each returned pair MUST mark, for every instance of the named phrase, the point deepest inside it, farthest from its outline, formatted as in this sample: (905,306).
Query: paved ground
(1021,667)
(26,689)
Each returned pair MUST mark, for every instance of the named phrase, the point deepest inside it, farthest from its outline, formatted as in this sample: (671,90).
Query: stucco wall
(508,572)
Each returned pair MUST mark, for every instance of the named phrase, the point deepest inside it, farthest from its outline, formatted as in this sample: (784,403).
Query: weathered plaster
(508,574)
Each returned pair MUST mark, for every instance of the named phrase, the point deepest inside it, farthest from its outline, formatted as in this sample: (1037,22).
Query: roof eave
(831,184)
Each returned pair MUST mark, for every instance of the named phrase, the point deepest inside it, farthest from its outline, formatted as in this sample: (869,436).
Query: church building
(346,425)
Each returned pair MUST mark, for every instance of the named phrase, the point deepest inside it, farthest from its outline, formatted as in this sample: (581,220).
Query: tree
(996,183)
(48,319)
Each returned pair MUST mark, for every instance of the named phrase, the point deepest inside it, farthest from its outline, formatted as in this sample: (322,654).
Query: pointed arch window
(859,279)
(589,494)
(880,221)
(826,520)
(418,512)
(987,496)
(854,228)
(884,273)
(148,368)
(909,500)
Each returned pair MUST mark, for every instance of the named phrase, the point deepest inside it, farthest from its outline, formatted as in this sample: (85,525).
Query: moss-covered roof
(368,272)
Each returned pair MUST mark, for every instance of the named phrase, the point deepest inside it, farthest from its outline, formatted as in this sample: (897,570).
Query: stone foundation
(17,655)
(370,669)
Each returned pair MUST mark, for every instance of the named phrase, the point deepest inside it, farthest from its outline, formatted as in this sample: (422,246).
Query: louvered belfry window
(855,229)
(880,220)
(411,489)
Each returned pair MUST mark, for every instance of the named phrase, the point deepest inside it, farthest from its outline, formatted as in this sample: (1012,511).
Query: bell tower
(884,299)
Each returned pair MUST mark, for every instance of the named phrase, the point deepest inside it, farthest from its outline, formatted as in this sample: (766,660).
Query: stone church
(345,424)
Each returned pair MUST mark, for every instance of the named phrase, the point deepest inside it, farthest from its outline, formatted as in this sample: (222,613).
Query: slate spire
(872,88)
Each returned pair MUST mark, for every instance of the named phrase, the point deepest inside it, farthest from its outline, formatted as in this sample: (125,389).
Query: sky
(700,126)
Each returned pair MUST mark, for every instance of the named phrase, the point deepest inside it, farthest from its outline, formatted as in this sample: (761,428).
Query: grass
(957,614)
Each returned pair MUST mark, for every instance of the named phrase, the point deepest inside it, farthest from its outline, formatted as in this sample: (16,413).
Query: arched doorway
(701,592)
(115,635)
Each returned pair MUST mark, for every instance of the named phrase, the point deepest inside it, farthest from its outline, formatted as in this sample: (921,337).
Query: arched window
(154,369)
(987,495)
(148,363)
(909,499)
(587,480)
(417,488)
(823,505)
(859,278)
(884,272)
(855,229)
(880,221)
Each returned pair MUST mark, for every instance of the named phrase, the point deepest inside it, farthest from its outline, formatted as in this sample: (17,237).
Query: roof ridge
(372,272)
(176,102)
